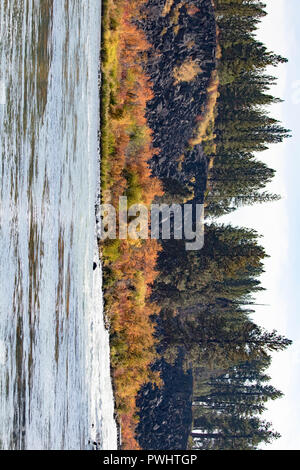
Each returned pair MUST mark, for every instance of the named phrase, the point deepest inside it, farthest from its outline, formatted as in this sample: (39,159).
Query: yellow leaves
(218,52)
(129,265)
(176,29)
(180,161)
(186,72)
(164,31)
(190,44)
(141,289)
(208,113)
(174,20)
(167,7)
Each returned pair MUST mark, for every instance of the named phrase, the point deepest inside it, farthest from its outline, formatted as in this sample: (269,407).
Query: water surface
(55,387)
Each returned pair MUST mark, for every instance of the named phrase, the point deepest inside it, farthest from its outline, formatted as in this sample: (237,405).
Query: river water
(55,387)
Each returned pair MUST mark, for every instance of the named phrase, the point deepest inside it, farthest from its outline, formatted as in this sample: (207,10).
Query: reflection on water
(55,388)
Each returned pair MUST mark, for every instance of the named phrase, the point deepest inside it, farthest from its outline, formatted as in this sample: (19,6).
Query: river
(55,385)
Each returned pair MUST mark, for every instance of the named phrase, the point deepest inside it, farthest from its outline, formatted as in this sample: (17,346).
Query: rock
(166,413)
(173,111)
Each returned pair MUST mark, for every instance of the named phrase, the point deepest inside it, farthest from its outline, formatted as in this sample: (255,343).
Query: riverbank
(128,265)
(127,152)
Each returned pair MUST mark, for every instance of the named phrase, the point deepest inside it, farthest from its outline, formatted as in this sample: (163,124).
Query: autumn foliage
(129,265)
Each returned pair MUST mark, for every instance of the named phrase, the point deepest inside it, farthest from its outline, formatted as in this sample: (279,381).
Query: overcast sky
(279,222)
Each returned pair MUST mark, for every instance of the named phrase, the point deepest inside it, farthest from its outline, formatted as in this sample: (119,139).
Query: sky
(279,223)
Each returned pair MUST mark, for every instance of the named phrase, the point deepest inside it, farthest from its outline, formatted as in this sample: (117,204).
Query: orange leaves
(127,116)
(130,271)
(128,431)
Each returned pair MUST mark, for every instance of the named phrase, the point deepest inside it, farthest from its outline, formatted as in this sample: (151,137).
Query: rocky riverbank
(180,65)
